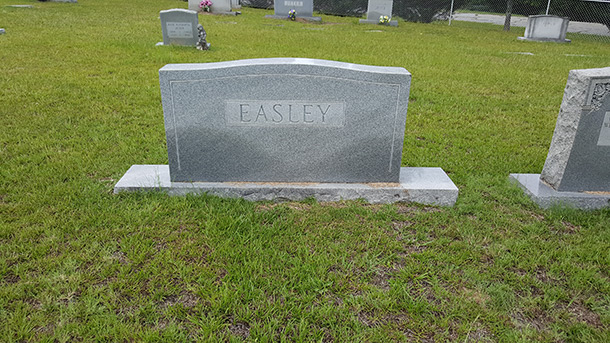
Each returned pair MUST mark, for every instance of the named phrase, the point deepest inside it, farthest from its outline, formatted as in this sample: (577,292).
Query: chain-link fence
(590,17)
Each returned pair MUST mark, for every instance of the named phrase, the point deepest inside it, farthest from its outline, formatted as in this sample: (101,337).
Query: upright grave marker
(304,9)
(179,27)
(546,28)
(577,167)
(288,128)
(218,6)
(378,8)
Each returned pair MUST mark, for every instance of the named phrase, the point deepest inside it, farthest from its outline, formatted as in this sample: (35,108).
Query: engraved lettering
(241,113)
(278,113)
(290,115)
(261,113)
(324,112)
(305,113)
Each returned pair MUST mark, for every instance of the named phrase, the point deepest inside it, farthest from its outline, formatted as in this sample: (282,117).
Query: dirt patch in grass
(538,320)
(373,319)
(583,314)
(475,295)
(239,328)
(409,208)
(382,278)
(297,206)
(186,299)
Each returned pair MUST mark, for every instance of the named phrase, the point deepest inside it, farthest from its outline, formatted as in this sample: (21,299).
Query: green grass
(80,103)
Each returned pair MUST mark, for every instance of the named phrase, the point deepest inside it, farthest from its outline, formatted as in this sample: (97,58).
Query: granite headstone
(218,6)
(179,27)
(304,9)
(288,128)
(577,168)
(546,28)
(378,8)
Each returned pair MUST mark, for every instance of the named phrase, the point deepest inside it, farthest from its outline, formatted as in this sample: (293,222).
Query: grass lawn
(80,103)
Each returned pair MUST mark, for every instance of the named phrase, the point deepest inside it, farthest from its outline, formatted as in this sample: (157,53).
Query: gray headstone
(546,28)
(579,156)
(284,119)
(378,8)
(577,168)
(2,31)
(218,6)
(179,27)
(304,9)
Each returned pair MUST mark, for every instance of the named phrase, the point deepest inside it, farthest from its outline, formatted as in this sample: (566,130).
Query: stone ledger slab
(179,27)
(304,9)
(376,9)
(429,186)
(577,168)
(284,120)
(546,28)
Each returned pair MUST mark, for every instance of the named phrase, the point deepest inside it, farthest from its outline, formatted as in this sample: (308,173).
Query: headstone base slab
(376,22)
(545,40)
(545,196)
(430,186)
(273,16)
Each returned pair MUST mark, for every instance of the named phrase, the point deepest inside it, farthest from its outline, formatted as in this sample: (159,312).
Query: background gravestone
(2,31)
(376,9)
(547,28)
(218,6)
(179,27)
(288,128)
(304,9)
(577,168)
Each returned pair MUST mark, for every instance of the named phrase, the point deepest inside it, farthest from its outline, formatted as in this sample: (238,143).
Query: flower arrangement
(205,5)
(292,14)
(384,20)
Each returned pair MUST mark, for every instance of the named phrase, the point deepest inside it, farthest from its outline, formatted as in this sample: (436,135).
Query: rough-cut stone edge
(273,16)
(574,101)
(546,197)
(376,22)
(430,186)
(565,128)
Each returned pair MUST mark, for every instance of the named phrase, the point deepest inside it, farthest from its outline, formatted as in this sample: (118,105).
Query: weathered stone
(304,9)
(579,156)
(378,8)
(288,128)
(547,28)
(179,27)
(577,168)
(430,186)
(284,119)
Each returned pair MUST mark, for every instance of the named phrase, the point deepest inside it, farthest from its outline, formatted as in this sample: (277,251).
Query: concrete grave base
(430,186)
(545,40)
(376,22)
(273,16)
(545,196)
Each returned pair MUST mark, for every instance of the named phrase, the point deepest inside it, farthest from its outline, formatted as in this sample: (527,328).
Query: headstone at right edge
(577,168)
